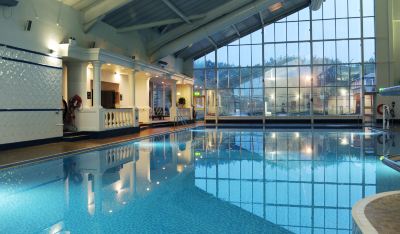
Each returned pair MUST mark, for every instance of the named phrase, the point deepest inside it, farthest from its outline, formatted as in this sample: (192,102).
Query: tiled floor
(30,154)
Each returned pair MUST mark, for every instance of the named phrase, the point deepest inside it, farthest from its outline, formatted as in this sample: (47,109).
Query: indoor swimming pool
(203,181)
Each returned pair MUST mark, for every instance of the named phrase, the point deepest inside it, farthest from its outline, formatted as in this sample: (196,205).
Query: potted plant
(181,102)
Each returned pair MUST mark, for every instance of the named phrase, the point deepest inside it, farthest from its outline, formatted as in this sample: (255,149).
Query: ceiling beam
(236,30)
(261,18)
(102,8)
(221,23)
(212,42)
(177,11)
(184,29)
(157,23)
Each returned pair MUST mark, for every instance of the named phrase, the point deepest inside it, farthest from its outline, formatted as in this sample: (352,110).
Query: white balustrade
(117,118)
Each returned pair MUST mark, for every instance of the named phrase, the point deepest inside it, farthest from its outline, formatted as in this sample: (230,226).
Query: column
(96,84)
(172,111)
(142,96)
(132,76)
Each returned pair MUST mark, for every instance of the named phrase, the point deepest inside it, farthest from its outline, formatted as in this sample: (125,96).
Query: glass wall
(311,63)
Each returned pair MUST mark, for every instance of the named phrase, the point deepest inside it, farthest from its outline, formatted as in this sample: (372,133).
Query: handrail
(180,118)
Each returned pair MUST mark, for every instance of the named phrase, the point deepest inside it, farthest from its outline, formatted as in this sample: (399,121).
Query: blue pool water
(203,181)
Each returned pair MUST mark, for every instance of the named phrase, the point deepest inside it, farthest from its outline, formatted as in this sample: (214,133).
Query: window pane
(355,51)
(211,82)
(245,55)
(292,31)
(210,60)
(305,76)
(329,29)
(280,32)
(329,9)
(245,40)
(304,53)
(269,33)
(369,51)
(317,14)
(280,53)
(318,76)
(269,53)
(354,28)
(245,80)
(305,101)
(343,77)
(256,55)
(257,78)
(369,27)
(368,7)
(330,100)
(269,77)
(317,30)
(223,81)
(228,98)
(354,8)
(293,77)
(233,57)
(293,100)
(269,101)
(304,31)
(245,107)
(293,54)
(304,14)
(341,8)
(318,101)
(199,63)
(293,17)
(256,37)
(329,52)
(222,58)
(281,101)
(199,78)
(342,28)
(318,52)
(330,75)
(234,78)
(281,77)
(342,51)
(343,100)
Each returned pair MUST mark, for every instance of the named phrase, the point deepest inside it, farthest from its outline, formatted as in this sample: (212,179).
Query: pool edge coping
(358,212)
(87,149)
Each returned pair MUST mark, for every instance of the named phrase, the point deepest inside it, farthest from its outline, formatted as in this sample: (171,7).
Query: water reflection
(76,193)
(202,181)
(303,181)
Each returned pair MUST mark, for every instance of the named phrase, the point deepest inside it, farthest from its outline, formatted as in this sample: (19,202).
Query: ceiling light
(275,7)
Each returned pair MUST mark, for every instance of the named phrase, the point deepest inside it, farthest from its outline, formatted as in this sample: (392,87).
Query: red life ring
(379,109)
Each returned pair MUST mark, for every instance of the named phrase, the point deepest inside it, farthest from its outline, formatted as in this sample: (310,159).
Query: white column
(172,111)
(142,94)
(132,76)
(96,84)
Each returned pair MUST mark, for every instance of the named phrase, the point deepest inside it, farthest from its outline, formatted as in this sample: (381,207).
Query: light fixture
(179,154)
(275,7)
(178,93)
(147,74)
(108,64)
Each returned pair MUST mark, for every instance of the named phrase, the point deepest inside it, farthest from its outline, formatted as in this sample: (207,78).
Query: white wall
(388,49)
(46,34)
(30,95)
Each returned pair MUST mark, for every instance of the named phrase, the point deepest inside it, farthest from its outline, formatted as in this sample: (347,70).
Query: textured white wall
(29,95)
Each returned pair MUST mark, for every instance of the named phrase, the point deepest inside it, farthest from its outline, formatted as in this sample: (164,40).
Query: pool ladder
(179,119)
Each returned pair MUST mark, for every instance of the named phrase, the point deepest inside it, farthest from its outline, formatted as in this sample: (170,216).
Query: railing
(117,118)
(182,116)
